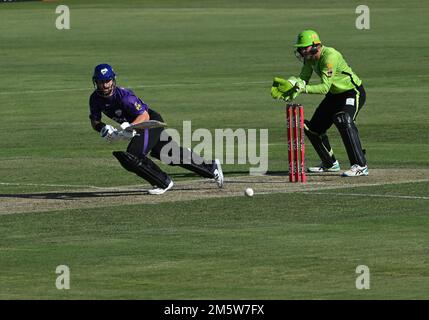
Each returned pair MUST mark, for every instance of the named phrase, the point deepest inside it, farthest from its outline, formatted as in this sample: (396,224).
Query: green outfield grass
(296,246)
(211,62)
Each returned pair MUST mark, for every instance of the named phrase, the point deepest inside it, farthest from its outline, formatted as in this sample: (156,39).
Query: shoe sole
(363,174)
(321,171)
(159,191)
(220,173)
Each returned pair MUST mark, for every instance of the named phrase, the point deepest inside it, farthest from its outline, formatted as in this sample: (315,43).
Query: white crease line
(53,185)
(172,85)
(369,195)
(125,188)
(309,187)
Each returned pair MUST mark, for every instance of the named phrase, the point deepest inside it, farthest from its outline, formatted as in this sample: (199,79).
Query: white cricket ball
(248,192)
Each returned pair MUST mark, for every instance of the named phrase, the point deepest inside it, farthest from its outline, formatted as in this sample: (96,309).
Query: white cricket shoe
(335,168)
(160,190)
(218,173)
(356,171)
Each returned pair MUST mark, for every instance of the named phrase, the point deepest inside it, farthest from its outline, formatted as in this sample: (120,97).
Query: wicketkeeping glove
(276,93)
(298,86)
(280,87)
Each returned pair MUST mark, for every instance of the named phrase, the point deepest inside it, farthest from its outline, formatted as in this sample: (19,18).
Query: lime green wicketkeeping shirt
(335,74)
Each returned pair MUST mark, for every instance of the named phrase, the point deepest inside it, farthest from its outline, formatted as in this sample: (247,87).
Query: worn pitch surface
(93,197)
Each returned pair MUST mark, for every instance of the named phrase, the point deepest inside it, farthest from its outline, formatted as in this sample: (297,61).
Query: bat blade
(150,124)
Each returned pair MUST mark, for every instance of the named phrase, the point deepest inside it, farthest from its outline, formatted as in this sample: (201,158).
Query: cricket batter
(344,97)
(124,107)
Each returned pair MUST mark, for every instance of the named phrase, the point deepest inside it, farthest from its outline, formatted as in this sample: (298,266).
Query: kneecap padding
(343,120)
(144,168)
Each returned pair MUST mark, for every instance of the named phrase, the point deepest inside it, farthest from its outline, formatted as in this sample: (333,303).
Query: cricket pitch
(81,198)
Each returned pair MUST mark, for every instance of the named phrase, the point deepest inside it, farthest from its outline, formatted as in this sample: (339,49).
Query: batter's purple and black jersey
(122,106)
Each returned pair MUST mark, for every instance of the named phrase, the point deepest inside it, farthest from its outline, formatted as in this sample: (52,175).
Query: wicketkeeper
(344,97)
(124,107)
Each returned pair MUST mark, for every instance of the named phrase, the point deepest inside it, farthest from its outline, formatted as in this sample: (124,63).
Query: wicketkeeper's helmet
(307,38)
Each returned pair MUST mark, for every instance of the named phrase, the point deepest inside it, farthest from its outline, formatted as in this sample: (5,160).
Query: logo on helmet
(104,71)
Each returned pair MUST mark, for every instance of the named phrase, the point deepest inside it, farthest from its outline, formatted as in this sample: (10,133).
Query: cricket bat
(150,124)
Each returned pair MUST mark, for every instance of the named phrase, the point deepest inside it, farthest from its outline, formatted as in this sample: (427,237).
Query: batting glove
(109,133)
(125,125)
(126,134)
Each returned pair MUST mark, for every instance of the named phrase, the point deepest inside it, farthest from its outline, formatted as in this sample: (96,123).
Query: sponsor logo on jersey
(330,71)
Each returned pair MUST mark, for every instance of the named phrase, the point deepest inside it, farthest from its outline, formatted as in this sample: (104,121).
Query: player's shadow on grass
(230,173)
(76,195)
(311,174)
(73,195)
